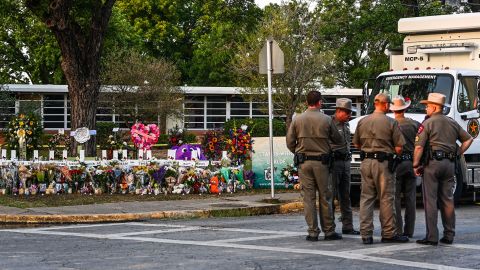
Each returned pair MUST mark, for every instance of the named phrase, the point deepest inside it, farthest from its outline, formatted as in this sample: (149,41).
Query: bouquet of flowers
(144,136)
(289,175)
(213,144)
(26,129)
(114,144)
(239,144)
(176,136)
(57,140)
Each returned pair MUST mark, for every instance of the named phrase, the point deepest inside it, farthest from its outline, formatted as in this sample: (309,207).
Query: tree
(142,88)
(28,50)
(360,32)
(197,35)
(292,25)
(79,28)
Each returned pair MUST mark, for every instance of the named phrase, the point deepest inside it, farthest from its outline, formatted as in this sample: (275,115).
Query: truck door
(467,108)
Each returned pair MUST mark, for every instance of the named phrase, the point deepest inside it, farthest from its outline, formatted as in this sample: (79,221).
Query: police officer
(341,164)
(405,177)
(441,133)
(379,138)
(308,138)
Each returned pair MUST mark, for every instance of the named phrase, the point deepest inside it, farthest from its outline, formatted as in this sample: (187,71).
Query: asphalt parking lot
(262,242)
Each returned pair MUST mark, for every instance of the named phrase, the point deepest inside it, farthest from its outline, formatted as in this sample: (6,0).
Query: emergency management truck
(440,54)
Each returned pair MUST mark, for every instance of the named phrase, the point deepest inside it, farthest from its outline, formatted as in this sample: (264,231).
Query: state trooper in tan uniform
(406,181)
(379,138)
(341,164)
(308,138)
(441,133)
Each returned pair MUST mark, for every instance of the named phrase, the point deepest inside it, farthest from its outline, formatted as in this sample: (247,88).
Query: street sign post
(271,62)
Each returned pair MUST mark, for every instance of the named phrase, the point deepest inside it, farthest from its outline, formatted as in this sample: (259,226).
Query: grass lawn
(77,199)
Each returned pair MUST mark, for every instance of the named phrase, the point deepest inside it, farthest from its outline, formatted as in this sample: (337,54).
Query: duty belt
(380,156)
(318,158)
(406,156)
(440,155)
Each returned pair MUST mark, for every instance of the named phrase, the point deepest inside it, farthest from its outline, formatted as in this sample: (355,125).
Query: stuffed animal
(214,185)
(184,152)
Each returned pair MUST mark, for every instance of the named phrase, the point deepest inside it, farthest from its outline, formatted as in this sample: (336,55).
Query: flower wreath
(213,144)
(144,136)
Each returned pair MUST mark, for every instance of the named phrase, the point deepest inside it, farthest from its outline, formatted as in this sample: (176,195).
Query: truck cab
(440,54)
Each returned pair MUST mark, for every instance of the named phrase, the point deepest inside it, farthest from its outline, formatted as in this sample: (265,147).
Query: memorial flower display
(289,175)
(57,142)
(239,144)
(144,136)
(213,144)
(175,136)
(24,129)
(114,178)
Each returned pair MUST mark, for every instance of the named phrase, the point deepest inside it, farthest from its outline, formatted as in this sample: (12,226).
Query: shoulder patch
(420,129)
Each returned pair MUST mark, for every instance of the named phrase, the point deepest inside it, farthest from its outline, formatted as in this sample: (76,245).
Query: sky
(263,3)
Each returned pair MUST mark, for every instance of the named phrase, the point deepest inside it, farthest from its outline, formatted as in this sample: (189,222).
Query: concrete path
(129,211)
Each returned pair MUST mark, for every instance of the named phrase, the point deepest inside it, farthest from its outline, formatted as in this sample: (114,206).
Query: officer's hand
(418,171)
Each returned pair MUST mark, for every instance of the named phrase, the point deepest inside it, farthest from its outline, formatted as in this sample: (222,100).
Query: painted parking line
(154,232)
(351,255)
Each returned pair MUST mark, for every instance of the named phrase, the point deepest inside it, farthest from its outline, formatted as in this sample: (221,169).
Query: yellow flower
(21,133)
(21,123)
(29,132)
(31,123)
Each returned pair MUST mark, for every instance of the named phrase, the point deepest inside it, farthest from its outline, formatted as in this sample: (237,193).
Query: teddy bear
(178,189)
(214,185)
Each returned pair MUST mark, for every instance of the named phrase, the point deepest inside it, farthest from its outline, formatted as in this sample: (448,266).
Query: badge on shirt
(417,138)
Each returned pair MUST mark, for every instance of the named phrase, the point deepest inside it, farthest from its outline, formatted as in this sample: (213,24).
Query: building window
(54,111)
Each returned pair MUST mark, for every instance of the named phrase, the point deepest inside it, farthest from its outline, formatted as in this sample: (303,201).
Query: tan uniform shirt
(409,129)
(310,132)
(344,130)
(442,132)
(378,133)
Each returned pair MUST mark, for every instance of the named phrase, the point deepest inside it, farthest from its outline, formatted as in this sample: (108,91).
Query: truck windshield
(415,87)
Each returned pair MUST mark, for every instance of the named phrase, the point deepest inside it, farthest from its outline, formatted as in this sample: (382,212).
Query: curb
(284,208)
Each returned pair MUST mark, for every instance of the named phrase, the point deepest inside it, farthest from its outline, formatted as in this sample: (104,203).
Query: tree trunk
(81,48)
(83,101)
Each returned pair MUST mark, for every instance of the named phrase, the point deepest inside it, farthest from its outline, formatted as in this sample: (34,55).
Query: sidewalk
(130,211)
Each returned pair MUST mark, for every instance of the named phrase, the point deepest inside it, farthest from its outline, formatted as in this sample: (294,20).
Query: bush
(257,126)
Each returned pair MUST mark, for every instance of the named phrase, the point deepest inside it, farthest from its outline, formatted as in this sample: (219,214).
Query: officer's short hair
(382,98)
(313,97)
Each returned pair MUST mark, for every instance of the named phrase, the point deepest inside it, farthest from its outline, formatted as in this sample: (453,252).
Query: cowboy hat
(399,104)
(435,98)
(344,103)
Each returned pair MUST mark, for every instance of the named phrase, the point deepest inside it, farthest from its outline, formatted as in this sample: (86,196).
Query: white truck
(440,54)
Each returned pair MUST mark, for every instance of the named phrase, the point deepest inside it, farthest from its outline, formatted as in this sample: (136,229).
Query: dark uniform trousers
(406,183)
(341,185)
(315,176)
(438,184)
(377,181)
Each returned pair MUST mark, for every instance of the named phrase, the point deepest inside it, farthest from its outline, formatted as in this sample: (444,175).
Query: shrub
(258,127)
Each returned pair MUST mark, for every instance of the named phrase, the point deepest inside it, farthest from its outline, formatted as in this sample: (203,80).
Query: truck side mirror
(365,94)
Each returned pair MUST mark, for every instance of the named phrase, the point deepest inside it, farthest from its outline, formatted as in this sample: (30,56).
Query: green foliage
(359,34)
(199,36)
(258,127)
(150,83)
(29,51)
(293,26)
(104,129)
